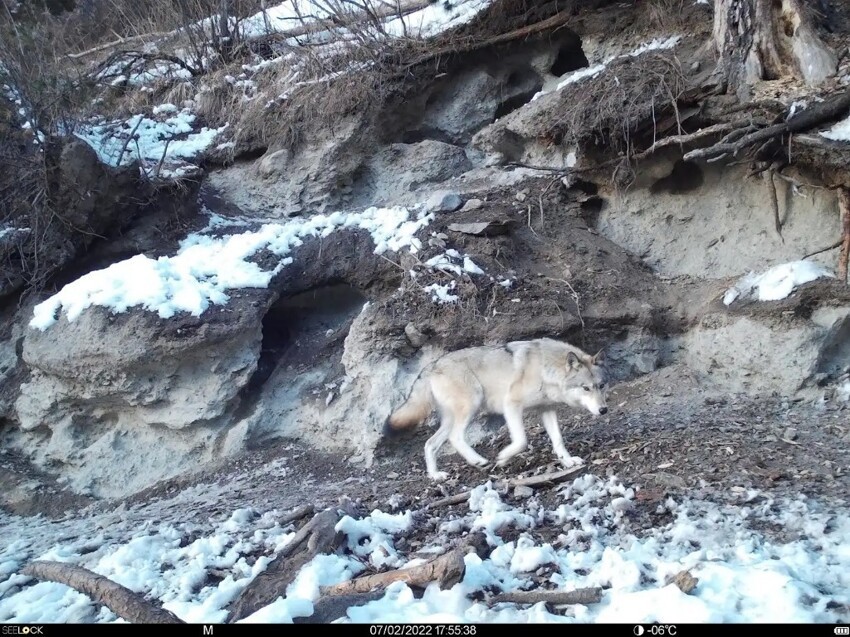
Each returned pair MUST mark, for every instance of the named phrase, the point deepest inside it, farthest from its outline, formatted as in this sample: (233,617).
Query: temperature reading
(656,630)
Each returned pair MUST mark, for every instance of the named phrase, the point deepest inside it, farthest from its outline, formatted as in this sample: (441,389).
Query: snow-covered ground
(196,568)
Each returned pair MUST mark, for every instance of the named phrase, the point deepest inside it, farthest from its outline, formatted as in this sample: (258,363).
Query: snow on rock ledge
(206,268)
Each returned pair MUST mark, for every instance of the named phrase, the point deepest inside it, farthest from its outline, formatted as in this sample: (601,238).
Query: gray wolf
(508,379)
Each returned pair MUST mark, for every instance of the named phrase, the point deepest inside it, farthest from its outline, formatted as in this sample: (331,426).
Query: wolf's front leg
(550,424)
(513,418)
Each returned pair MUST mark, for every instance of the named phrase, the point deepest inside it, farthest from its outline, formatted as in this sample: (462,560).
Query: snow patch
(839,132)
(154,141)
(442,293)
(776,283)
(424,23)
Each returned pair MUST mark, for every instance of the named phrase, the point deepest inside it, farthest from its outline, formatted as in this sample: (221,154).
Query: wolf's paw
(481,463)
(504,458)
(439,476)
(571,461)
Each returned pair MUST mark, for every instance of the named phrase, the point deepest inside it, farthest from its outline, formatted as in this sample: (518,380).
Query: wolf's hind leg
(550,424)
(432,447)
(462,415)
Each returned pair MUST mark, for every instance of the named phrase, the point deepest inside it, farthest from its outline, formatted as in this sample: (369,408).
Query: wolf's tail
(414,411)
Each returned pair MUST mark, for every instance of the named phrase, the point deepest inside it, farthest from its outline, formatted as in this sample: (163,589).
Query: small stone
(522,491)
(790,434)
(685,581)
(274,163)
(522,195)
(695,67)
(472,204)
(414,336)
(444,202)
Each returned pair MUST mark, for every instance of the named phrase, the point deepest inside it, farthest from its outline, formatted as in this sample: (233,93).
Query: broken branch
(827,110)
(837,244)
(296,514)
(328,609)
(448,569)
(556,598)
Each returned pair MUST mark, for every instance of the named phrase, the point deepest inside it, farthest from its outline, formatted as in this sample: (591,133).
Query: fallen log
(318,535)
(125,603)
(556,598)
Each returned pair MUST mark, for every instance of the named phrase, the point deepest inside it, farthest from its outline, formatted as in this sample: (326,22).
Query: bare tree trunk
(226,38)
(266,21)
(769,39)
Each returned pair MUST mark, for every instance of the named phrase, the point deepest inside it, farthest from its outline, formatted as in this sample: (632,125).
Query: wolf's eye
(585,388)
(601,385)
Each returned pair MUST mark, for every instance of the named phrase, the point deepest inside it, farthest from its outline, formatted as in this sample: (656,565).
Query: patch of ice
(776,283)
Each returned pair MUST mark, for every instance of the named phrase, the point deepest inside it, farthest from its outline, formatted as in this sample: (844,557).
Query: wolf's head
(587,385)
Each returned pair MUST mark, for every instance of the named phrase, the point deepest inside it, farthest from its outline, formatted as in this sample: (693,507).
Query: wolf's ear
(599,359)
(572,361)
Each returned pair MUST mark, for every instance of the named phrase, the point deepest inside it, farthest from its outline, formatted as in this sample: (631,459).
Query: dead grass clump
(667,14)
(606,111)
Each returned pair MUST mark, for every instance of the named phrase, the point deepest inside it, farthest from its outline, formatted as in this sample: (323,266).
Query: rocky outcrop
(112,396)
(157,373)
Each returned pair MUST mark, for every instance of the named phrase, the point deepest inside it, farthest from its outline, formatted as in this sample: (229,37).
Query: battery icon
(842,630)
